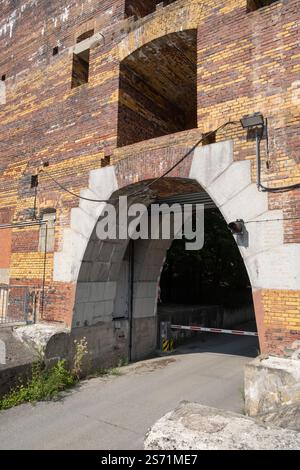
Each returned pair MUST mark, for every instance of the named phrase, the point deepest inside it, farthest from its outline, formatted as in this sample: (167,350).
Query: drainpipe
(260,186)
(258,159)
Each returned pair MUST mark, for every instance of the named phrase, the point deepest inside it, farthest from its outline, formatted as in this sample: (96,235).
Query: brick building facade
(105,95)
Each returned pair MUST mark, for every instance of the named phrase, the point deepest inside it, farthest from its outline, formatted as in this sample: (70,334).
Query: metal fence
(19,304)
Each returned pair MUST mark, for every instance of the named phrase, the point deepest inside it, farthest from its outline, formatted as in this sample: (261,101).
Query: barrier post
(166,340)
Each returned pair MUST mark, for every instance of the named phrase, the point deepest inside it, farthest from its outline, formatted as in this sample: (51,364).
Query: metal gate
(19,304)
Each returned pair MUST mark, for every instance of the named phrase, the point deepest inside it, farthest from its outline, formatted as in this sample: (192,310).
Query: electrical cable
(142,191)
(262,187)
(271,220)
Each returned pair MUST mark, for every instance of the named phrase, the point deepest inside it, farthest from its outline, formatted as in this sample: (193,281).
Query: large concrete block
(247,204)
(210,161)
(94,209)
(99,312)
(82,222)
(106,344)
(147,272)
(265,234)
(89,310)
(114,271)
(194,426)
(103,182)
(105,251)
(110,290)
(232,181)
(65,268)
(74,244)
(99,271)
(108,308)
(85,270)
(83,292)
(270,383)
(91,249)
(145,289)
(277,268)
(144,337)
(145,307)
(119,249)
(97,291)
(4,276)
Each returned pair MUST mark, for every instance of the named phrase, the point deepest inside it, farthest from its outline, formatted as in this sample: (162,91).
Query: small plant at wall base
(81,350)
(46,384)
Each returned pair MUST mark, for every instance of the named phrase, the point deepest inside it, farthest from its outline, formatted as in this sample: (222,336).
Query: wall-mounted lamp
(253,120)
(256,122)
(34,181)
(237,227)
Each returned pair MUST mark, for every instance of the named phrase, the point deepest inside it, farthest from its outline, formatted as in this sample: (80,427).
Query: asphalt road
(115,412)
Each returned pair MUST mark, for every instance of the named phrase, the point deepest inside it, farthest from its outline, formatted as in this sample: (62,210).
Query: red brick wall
(246,63)
(5,247)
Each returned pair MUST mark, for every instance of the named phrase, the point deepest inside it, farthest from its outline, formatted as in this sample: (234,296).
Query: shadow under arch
(158,88)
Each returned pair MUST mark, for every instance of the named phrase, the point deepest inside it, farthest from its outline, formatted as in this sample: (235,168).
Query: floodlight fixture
(253,120)
(237,227)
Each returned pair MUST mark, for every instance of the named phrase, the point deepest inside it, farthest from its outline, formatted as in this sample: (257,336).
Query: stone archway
(87,262)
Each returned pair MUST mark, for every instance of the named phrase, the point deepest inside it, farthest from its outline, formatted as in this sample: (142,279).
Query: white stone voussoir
(67,262)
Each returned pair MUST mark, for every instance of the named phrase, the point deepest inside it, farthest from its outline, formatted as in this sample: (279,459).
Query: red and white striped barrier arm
(214,330)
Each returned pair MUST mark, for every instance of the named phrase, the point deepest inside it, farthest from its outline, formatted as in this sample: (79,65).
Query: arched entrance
(118,279)
(95,265)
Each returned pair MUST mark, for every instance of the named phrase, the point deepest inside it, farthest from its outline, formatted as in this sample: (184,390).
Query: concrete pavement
(115,412)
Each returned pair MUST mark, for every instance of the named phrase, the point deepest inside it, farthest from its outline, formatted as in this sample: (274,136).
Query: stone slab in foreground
(272,382)
(197,427)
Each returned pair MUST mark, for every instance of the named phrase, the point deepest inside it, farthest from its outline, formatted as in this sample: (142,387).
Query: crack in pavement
(118,426)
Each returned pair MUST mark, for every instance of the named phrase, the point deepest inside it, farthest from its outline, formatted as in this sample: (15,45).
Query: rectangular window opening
(81,66)
(3,78)
(253,5)
(55,50)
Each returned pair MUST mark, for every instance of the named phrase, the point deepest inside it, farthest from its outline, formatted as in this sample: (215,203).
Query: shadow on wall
(141,8)
(158,88)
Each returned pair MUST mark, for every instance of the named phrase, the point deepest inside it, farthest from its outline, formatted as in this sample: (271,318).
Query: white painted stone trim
(67,262)
(270,263)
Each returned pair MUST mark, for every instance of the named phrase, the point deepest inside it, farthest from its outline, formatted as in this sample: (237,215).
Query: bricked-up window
(47,232)
(81,66)
(158,88)
(253,5)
